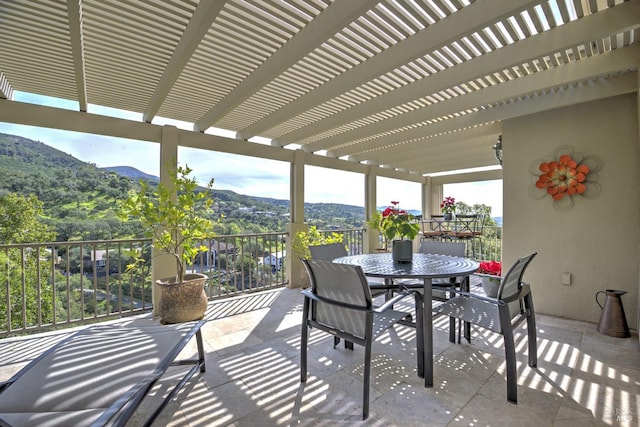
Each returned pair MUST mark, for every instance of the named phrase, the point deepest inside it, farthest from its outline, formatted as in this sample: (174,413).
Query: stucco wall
(597,239)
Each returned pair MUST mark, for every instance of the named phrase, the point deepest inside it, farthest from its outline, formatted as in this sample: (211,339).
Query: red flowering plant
(448,205)
(398,223)
(493,268)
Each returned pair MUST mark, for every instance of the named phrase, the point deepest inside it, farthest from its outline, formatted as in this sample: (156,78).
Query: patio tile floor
(252,347)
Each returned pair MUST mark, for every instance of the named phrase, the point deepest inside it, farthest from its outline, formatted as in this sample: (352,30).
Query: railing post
(163,265)
(296,274)
(371,241)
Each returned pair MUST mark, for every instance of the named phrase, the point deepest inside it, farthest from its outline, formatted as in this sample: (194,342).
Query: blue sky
(242,174)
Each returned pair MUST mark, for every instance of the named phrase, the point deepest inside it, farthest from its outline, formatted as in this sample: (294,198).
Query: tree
(19,267)
(20,220)
(175,216)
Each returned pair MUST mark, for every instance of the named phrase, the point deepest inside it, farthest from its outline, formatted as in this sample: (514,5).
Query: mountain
(131,173)
(23,156)
(413,212)
(80,200)
(135,174)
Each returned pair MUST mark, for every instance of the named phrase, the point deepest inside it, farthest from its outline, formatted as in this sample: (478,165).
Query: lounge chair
(99,375)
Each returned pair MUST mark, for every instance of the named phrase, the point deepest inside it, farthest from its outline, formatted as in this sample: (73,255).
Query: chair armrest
(382,286)
(477,296)
(4,384)
(390,302)
(524,291)
(385,306)
(308,294)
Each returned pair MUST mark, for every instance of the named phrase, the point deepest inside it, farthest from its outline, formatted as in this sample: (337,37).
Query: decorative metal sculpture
(566,175)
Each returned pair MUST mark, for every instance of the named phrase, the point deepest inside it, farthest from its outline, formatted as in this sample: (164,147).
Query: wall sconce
(497,148)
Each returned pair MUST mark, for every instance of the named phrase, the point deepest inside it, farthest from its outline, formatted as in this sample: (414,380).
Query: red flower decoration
(563,177)
(493,268)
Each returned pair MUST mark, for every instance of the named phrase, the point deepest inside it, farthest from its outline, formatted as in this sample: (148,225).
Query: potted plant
(399,227)
(311,237)
(490,273)
(448,206)
(174,217)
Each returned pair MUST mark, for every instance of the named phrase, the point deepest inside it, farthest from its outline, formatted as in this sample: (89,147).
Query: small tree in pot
(174,217)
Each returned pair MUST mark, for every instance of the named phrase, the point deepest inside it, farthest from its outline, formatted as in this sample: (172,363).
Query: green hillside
(22,156)
(80,199)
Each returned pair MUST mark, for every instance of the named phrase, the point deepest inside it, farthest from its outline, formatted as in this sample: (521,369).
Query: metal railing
(353,239)
(489,245)
(46,285)
(50,285)
(486,247)
(56,284)
(243,263)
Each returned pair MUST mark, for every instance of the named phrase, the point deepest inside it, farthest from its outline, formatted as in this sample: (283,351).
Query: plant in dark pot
(448,206)
(399,227)
(175,218)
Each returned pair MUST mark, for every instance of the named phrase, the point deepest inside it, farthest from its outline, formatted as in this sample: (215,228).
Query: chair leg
(510,353)
(452,330)
(532,336)
(304,342)
(200,350)
(366,379)
(465,286)
(419,332)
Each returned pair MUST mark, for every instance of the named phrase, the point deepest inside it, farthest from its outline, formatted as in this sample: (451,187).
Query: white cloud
(482,192)
(242,174)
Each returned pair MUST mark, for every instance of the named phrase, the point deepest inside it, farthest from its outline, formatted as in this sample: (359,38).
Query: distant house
(95,262)
(217,248)
(275,260)
(96,258)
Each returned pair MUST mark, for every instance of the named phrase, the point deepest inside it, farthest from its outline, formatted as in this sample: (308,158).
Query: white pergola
(416,86)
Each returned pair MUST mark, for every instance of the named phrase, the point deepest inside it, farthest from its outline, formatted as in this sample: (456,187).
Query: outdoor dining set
(355,299)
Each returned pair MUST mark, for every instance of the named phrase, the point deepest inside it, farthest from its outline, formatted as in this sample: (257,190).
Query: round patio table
(425,267)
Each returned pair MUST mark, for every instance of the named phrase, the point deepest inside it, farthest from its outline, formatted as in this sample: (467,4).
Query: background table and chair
(465,228)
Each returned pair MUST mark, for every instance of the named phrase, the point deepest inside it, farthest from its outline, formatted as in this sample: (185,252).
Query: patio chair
(465,229)
(441,288)
(327,252)
(513,304)
(331,251)
(339,302)
(98,376)
(432,228)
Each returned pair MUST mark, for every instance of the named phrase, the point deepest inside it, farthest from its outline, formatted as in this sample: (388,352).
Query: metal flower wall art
(566,175)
